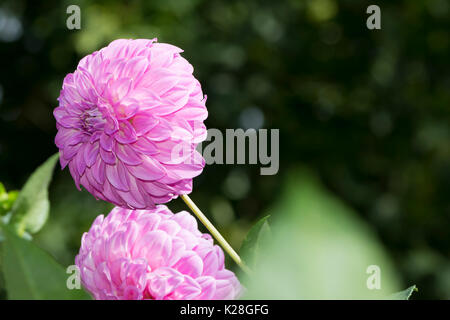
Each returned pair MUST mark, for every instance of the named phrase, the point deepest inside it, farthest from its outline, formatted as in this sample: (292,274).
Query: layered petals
(152,254)
(129,120)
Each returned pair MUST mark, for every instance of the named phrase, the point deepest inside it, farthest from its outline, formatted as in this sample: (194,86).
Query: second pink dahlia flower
(129,120)
(153,254)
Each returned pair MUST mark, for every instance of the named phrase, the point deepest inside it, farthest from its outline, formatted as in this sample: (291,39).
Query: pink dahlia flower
(153,254)
(129,120)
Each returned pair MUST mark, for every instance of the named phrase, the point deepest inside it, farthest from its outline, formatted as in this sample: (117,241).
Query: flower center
(92,120)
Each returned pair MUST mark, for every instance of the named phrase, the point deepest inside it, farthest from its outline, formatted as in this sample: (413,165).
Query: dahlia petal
(146,97)
(59,113)
(63,162)
(220,256)
(79,159)
(71,92)
(126,133)
(71,150)
(133,199)
(117,176)
(163,84)
(155,247)
(125,112)
(145,146)
(116,49)
(119,89)
(224,290)
(189,290)
(208,287)
(182,66)
(102,277)
(68,137)
(111,194)
(143,123)
(187,170)
(132,293)
(164,281)
(149,170)
(211,261)
(185,220)
(141,198)
(127,154)
(90,153)
(155,73)
(135,68)
(74,173)
(98,171)
(149,223)
(136,274)
(114,247)
(174,152)
(99,64)
(106,142)
(150,202)
(85,84)
(188,83)
(200,133)
(193,113)
(131,234)
(156,189)
(178,250)
(111,126)
(116,269)
(108,157)
(191,264)
(76,139)
(170,227)
(93,181)
(163,199)
(161,132)
(177,96)
(160,58)
(95,136)
(165,109)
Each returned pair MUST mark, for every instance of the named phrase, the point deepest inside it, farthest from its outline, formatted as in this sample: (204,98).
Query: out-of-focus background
(366,111)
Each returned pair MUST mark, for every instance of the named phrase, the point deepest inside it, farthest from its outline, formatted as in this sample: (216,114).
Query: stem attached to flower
(215,233)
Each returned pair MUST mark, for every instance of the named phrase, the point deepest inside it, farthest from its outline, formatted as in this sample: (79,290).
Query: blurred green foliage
(368,111)
(7,199)
(319,249)
(30,273)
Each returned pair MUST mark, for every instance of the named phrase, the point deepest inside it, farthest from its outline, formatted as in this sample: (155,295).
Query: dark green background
(368,111)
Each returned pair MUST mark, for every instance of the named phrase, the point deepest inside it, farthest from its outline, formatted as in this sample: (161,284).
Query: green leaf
(403,295)
(31,273)
(30,210)
(319,248)
(255,239)
(7,200)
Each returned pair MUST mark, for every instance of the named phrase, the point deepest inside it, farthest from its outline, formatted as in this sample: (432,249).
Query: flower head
(153,254)
(129,120)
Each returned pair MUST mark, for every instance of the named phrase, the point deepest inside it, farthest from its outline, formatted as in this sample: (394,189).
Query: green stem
(215,233)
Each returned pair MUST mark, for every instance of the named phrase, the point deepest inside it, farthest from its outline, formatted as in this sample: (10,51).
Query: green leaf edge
(253,237)
(17,218)
(83,295)
(404,294)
